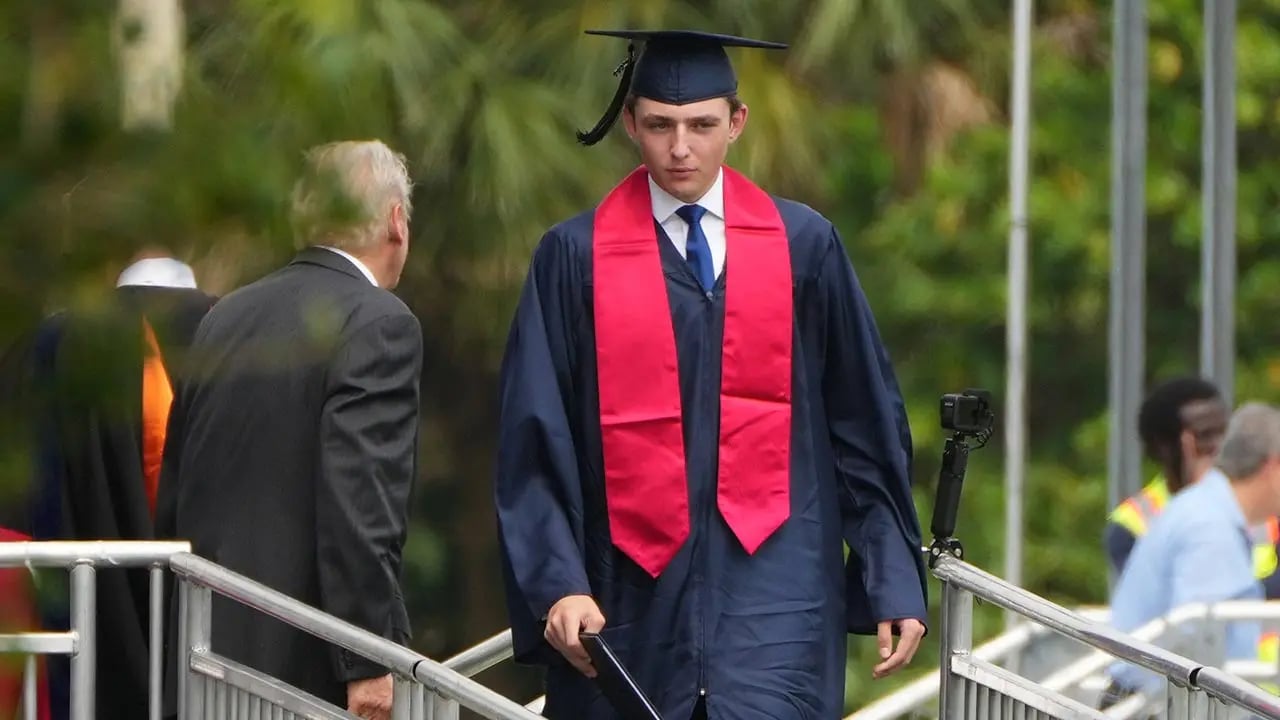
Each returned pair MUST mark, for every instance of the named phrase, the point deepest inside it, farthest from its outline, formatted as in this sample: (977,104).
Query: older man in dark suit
(296,436)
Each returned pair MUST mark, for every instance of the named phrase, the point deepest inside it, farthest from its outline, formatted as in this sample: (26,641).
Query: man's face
(1206,421)
(683,146)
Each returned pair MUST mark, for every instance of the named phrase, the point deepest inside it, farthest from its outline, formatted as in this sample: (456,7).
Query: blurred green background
(889,116)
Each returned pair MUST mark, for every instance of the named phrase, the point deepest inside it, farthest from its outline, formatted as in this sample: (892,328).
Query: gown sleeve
(871,440)
(537,490)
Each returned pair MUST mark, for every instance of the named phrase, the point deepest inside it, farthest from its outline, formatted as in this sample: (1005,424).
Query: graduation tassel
(597,133)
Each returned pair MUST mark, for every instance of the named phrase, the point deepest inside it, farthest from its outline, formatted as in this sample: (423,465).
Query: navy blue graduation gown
(760,636)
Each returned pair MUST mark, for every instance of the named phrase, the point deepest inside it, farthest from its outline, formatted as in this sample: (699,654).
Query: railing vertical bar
(445,709)
(219,700)
(29,677)
(156,671)
(418,706)
(1176,701)
(183,669)
(196,621)
(83,616)
(957,637)
(400,698)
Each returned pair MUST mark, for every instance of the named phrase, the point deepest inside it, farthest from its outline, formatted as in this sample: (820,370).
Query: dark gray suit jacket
(292,450)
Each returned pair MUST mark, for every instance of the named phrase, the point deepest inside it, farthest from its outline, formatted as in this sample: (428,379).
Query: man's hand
(370,698)
(909,641)
(568,617)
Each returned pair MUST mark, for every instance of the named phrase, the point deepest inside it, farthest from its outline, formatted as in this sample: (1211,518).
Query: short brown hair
(735,103)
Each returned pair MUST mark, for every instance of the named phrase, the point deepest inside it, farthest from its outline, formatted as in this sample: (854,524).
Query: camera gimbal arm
(955,459)
(968,415)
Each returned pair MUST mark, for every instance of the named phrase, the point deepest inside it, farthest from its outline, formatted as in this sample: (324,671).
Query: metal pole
(402,699)
(156,670)
(196,618)
(83,617)
(1218,195)
(30,704)
(957,637)
(1126,337)
(1015,446)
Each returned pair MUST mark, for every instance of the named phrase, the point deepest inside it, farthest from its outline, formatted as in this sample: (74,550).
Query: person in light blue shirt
(1199,548)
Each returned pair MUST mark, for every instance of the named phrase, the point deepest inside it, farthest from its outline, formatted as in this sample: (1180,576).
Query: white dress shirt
(354,261)
(665,206)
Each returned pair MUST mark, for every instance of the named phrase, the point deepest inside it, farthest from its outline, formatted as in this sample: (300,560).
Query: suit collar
(333,261)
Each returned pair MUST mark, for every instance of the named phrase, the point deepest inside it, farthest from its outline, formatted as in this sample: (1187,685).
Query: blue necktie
(697,251)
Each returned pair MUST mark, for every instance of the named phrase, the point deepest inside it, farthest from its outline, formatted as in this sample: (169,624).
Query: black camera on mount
(967,413)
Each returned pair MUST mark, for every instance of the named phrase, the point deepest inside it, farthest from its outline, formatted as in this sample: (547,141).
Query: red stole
(646,486)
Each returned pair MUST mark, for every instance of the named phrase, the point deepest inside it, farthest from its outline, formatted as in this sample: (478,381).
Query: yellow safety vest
(1136,513)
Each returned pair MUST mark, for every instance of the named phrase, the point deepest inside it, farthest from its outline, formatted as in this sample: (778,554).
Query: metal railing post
(957,638)
(29,702)
(156,671)
(1177,701)
(418,707)
(402,699)
(195,621)
(443,708)
(83,615)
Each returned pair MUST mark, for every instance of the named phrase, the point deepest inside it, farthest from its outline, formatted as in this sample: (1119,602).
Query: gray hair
(1253,437)
(345,191)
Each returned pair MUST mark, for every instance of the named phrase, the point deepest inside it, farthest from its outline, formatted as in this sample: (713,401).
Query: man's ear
(737,122)
(397,233)
(629,122)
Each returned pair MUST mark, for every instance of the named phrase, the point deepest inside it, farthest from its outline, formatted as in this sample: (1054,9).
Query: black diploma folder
(619,689)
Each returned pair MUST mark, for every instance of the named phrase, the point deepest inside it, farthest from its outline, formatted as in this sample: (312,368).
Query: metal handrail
(1183,674)
(924,689)
(1219,684)
(997,592)
(82,558)
(105,553)
(478,658)
(397,658)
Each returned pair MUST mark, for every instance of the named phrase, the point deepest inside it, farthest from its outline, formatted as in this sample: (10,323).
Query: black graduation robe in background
(763,635)
(88,484)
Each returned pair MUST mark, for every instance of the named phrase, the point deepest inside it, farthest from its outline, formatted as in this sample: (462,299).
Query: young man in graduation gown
(102,385)
(697,414)
(297,435)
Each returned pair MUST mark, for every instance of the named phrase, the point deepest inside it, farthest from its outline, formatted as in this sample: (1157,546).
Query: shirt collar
(665,204)
(364,269)
(158,272)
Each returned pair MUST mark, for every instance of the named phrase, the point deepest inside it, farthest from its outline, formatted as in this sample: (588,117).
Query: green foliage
(934,268)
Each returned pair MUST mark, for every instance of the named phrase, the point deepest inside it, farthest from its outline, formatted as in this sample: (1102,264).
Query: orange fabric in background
(157,397)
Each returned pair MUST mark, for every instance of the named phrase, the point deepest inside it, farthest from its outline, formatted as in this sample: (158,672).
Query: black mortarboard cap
(676,67)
